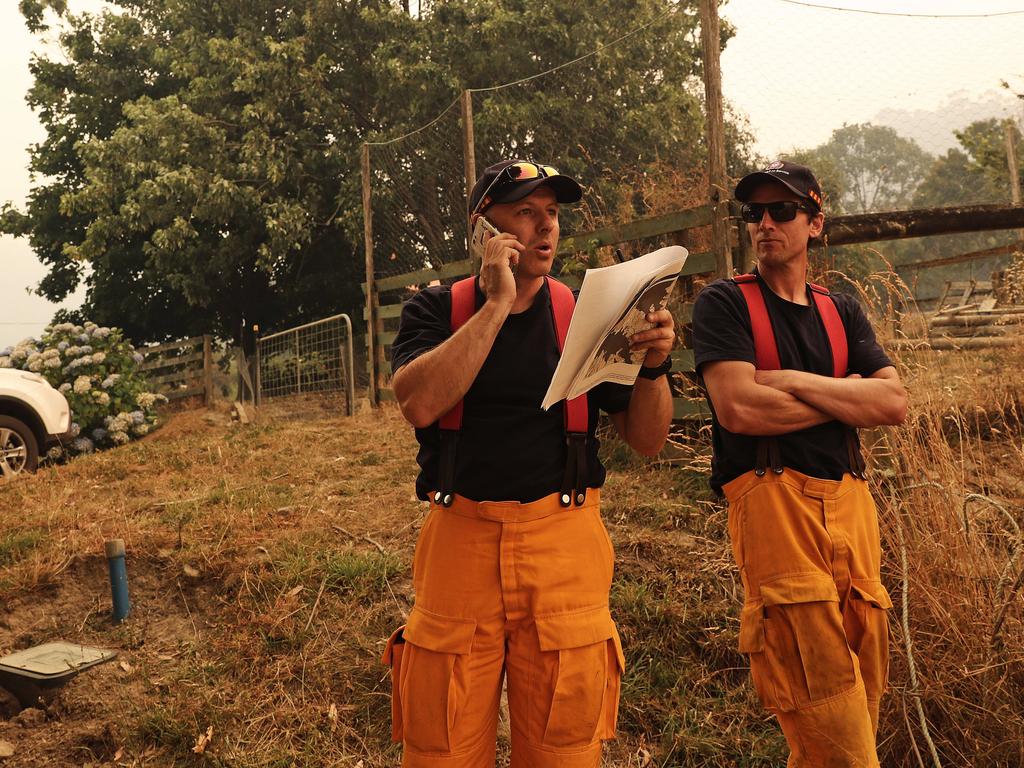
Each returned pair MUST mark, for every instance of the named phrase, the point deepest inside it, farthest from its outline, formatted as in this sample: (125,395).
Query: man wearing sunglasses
(512,576)
(802,523)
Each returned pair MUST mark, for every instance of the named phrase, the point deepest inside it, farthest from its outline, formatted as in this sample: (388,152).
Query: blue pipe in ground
(118,579)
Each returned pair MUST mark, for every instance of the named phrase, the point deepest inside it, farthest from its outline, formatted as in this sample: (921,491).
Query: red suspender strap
(834,328)
(766,352)
(562,305)
(463,308)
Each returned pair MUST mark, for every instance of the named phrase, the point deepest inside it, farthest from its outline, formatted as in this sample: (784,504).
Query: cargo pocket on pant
(392,657)
(584,699)
(804,656)
(434,678)
(869,638)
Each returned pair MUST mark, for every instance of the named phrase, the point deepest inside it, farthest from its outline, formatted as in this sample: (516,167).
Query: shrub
(98,372)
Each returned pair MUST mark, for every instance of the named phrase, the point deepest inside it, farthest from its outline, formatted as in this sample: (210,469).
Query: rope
(421,128)
(594,52)
(905,15)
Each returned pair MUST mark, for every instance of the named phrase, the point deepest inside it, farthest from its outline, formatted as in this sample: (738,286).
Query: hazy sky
(797,73)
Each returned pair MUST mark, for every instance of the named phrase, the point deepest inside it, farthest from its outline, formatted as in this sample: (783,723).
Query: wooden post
(371,288)
(207,371)
(468,156)
(1011,164)
(717,182)
(257,395)
(298,365)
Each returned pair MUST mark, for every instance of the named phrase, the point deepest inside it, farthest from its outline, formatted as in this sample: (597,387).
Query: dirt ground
(268,563)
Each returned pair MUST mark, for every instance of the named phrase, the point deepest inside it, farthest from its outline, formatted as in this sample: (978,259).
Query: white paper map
(612,306)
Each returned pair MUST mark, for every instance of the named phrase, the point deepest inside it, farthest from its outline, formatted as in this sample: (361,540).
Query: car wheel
(19,450)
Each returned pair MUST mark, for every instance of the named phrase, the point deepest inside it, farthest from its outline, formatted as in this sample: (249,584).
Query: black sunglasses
(784,210)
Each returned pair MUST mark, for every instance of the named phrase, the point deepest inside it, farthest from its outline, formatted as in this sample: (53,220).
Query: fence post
(1011,163)
(468,157)
(717,182)
(207,371)
(257,395)
(298,366)
(371,288)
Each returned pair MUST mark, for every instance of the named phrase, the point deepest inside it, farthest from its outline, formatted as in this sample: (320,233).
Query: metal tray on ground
(52,664)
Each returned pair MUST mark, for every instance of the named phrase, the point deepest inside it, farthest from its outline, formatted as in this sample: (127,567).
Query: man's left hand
(658,341)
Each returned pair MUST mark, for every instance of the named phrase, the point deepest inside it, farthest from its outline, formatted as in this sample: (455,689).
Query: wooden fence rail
(839,230)
(180,369)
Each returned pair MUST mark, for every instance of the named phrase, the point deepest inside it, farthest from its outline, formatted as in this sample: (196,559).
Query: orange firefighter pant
(517,589)
(814,618)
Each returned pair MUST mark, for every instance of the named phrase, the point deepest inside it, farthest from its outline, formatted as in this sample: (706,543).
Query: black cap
(796,178)
(508,190)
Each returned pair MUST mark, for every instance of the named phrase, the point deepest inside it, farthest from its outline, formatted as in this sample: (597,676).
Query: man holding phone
(512,576)
(791,371)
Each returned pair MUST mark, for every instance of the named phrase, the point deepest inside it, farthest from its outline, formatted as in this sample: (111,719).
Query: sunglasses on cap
(784,210)
(518,171)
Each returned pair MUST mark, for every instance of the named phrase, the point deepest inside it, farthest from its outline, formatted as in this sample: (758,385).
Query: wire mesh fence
(311,359)
(621,114)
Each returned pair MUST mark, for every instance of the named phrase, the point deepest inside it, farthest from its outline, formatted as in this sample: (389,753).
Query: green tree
(201,161)
(879,168)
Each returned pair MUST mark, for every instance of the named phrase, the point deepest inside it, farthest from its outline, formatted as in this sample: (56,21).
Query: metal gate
(311,359)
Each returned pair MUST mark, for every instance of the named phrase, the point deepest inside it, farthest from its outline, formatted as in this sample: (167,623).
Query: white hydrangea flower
(101,397)
(119,438)
(82,445)
(63,328)
(51,353)
(138,357)
(82,384)
(146,400)
(35,366)
(62,346)
(141,429)
(53,362)
(85,349)
(99,357)
(76,428)
(98,434)
(110,381)
(65,387)
(101,333)
(5,362)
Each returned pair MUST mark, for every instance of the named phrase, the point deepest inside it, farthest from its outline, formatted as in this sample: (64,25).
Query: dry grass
(268,563)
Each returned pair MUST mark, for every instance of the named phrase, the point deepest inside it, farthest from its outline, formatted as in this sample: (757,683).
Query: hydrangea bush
(98,372)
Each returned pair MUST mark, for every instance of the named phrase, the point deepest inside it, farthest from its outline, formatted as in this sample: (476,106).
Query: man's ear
(817,224)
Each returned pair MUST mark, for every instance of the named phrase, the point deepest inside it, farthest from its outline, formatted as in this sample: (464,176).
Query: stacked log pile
(976,326)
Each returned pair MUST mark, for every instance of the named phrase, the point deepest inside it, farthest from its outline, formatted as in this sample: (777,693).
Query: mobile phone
(483,231)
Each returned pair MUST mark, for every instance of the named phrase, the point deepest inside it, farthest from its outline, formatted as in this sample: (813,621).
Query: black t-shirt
(509,449)
(722,331)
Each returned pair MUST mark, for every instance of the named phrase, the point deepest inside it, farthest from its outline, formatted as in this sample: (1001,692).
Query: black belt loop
(774,456)
(574,481)
(857,466)
(761,463)
(446,471)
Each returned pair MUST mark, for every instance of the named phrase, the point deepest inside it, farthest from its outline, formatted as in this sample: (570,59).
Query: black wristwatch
(657,371)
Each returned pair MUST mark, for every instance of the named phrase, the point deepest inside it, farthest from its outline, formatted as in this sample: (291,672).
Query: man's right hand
(501,255)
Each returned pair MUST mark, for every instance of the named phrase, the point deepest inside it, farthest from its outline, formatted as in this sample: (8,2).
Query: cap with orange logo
(799,179)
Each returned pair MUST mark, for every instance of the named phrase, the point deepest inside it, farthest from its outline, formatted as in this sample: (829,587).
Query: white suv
(33,416)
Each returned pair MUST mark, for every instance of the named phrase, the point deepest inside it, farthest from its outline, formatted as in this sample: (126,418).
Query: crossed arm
(766,403)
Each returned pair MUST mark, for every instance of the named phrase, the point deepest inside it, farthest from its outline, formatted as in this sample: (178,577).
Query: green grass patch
(16,545)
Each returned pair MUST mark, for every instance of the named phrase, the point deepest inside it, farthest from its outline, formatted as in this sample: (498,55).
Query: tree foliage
(201,159)
(869,168)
